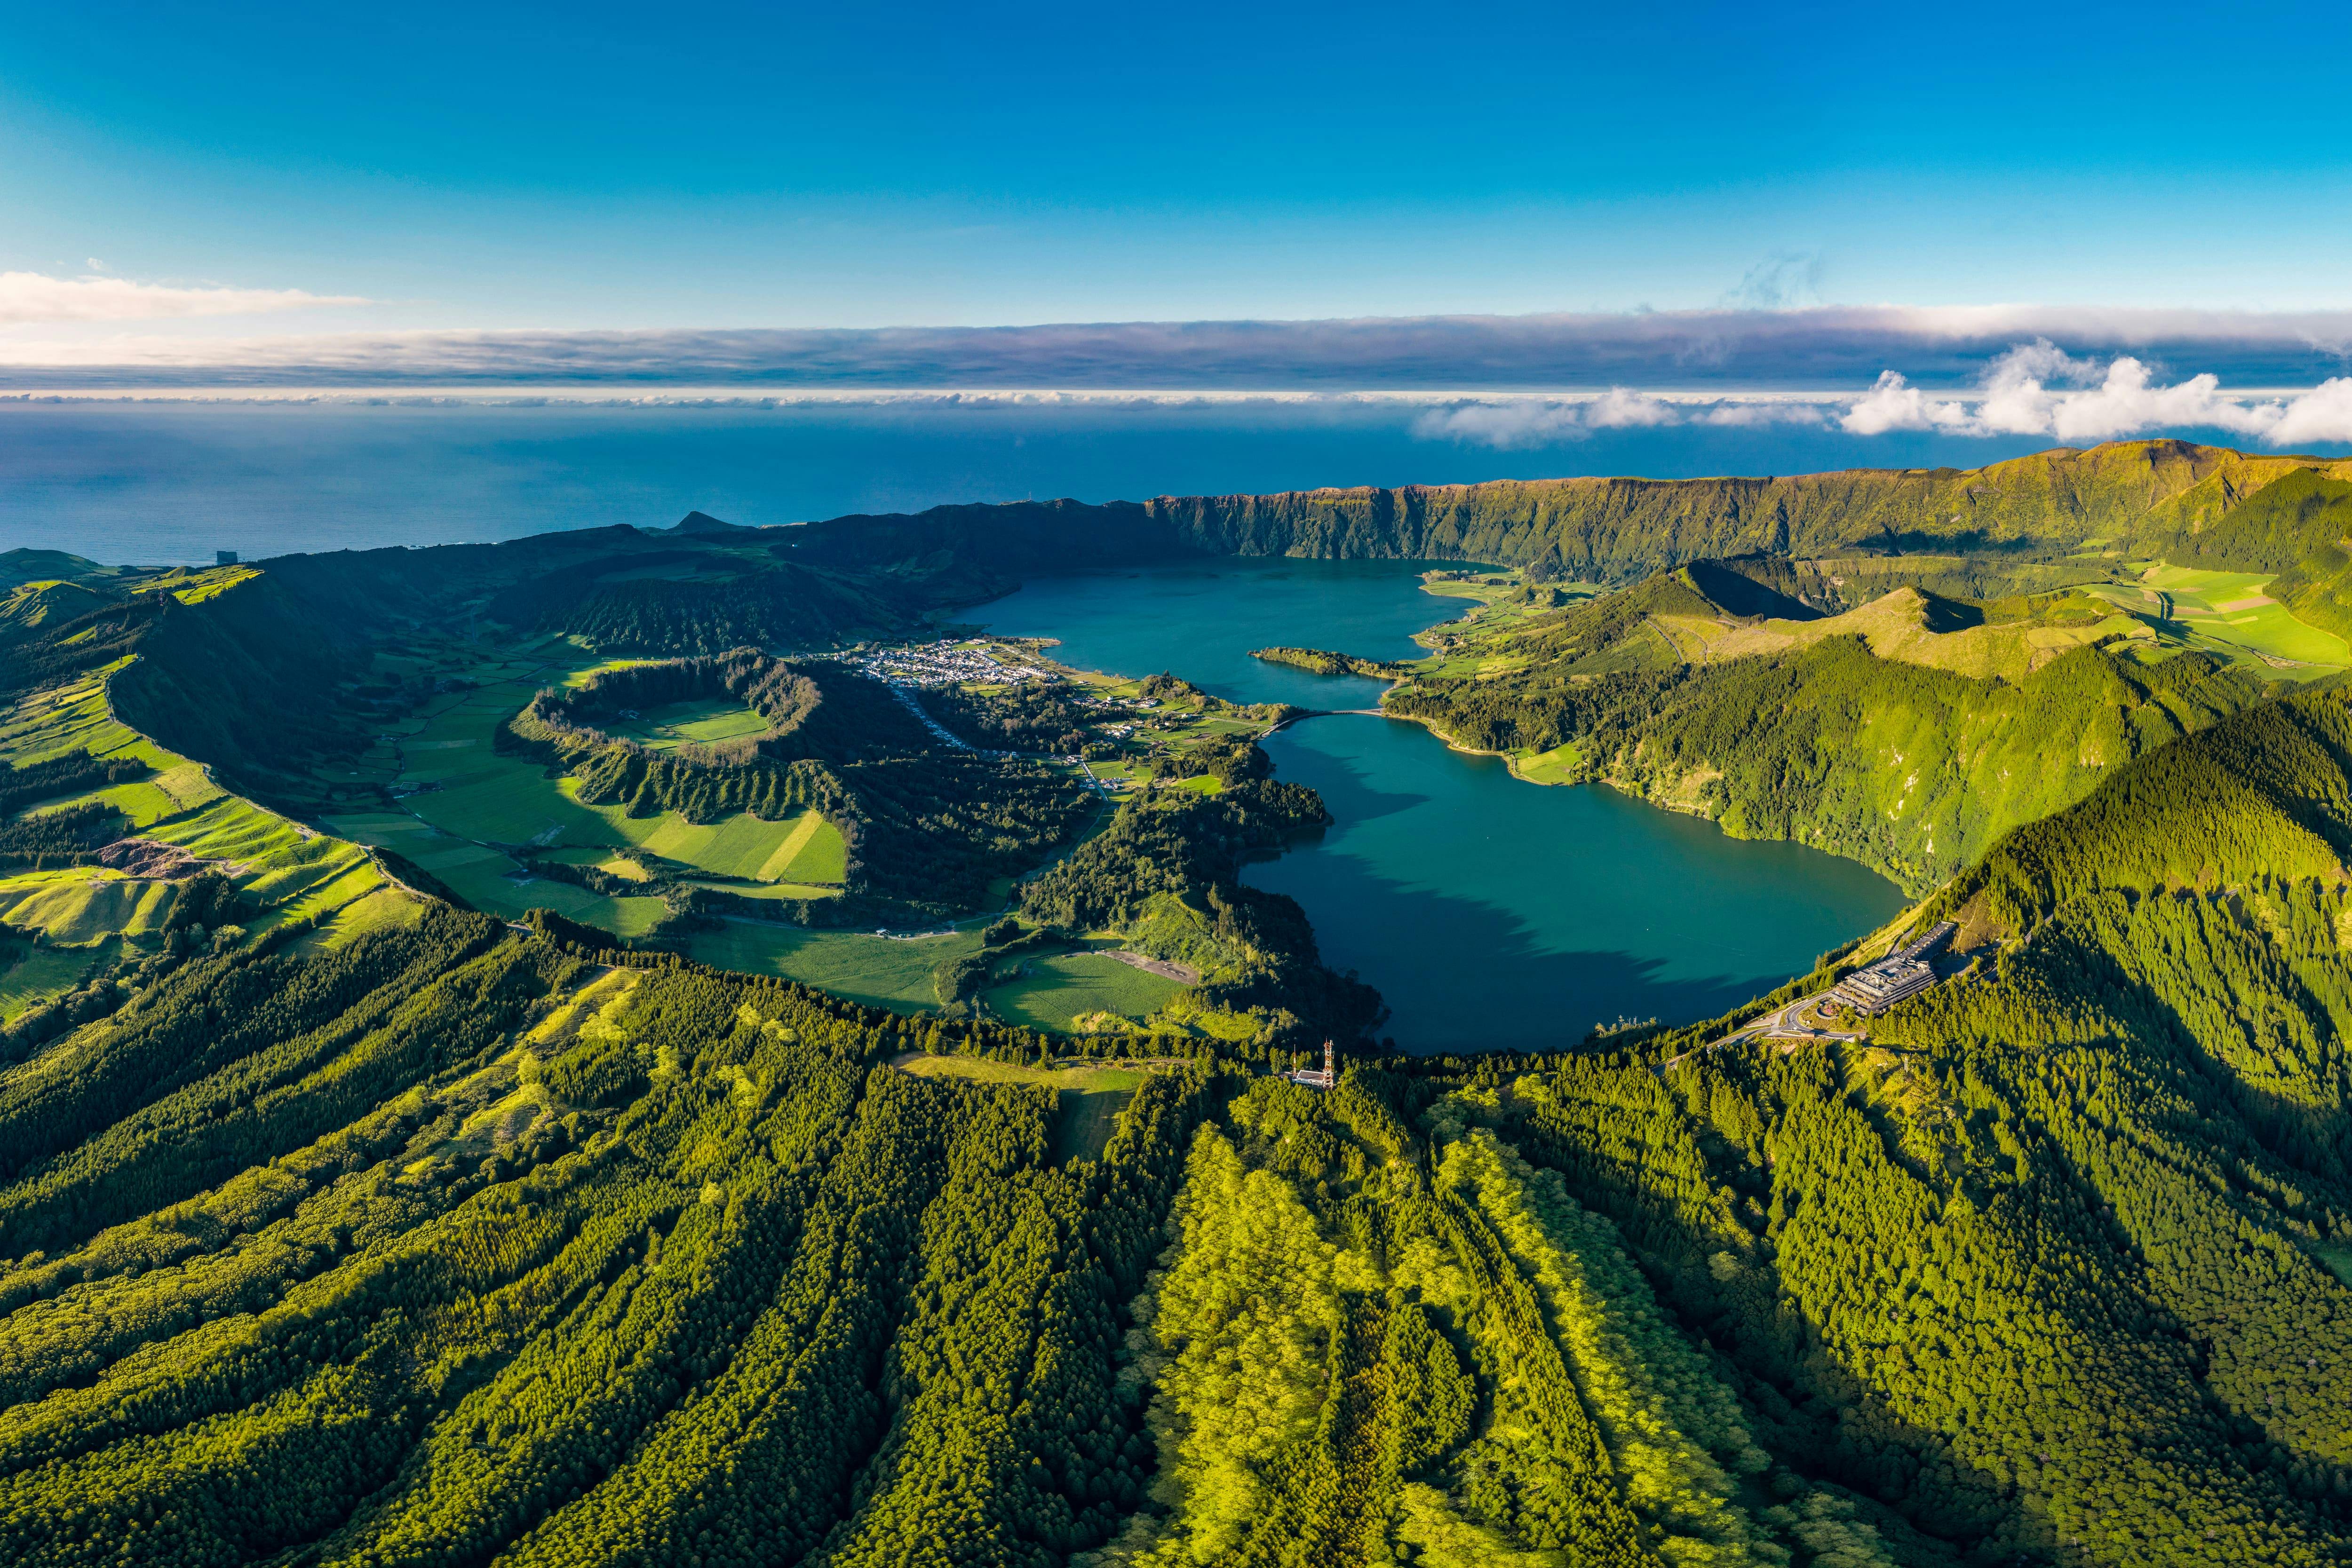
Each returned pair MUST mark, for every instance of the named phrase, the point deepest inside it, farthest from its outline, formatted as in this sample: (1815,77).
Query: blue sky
(783,166)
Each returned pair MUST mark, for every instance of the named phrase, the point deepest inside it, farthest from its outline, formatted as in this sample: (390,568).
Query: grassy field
(769,892)
(883,971)
(382,910)
(84,906)
(698,722)
(470,805)
(1060,989)
(1553,766)
(30,974)
(288,871)
(1089,1098)
(472,792)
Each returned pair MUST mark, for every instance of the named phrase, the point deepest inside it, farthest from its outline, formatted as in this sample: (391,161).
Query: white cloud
(1618,409)
(1516,423)
(2108,401)
(1893,404)
(1505,426)
(30,296)
(2323,413)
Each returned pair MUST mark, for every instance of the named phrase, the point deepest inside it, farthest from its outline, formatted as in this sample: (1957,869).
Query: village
(941,664)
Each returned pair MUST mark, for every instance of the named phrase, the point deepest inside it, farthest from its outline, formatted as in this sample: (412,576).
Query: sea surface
(1488,911)
(170,482)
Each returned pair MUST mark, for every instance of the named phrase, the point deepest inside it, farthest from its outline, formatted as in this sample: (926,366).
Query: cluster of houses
(941,664)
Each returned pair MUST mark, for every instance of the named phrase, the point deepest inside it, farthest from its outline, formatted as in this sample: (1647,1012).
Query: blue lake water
(1488,910)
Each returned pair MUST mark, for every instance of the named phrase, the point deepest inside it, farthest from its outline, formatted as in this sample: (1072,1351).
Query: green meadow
(30,974)
(698,722)
(287,869)
(884,971)
(465,805)
(1059,989)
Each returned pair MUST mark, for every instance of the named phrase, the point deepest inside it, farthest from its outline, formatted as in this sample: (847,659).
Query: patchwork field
(2228,612)
(463,806)
(1058,990)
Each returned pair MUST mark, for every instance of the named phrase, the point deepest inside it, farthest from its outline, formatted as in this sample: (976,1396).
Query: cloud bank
(2074,375)
(29,297)
(1819,348)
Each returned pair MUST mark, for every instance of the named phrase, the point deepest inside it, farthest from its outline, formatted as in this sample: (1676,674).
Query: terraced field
(288,871)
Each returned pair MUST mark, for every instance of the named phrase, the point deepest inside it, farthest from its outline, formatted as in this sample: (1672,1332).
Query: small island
(1328,664)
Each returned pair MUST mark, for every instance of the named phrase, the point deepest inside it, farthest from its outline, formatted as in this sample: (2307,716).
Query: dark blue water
(1488,910)
(163,482)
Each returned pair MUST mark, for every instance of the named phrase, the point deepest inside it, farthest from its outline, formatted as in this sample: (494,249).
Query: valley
(542,1053)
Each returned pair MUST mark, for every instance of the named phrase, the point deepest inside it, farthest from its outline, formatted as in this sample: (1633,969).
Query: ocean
(157,483)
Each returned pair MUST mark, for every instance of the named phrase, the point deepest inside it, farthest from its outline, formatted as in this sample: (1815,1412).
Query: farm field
(1069,984)
(1089,1098)
(882,971)
(288,871)
(471,791)
(2228,612)
(769,892)
(84,906)
(382,910)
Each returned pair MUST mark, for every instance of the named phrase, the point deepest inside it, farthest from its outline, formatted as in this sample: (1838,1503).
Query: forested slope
(1911,769)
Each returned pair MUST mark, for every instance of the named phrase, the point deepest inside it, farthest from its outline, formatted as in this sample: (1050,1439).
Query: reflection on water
(1488,911)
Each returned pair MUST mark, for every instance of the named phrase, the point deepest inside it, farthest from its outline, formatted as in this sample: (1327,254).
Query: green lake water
(1488,910)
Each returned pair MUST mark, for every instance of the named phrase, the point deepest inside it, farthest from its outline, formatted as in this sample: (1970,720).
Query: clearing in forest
(1089,1098)
(1058,990)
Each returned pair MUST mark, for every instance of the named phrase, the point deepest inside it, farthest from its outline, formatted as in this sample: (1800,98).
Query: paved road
(1783,1026)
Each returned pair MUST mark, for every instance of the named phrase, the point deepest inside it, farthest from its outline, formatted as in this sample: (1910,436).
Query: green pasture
(882,971)
(476,793)
(381,910)
(29,975)
(2209,611)
(493,884)
(84,906)
(698,722)
(1554,767)
(1058,990)
(2202,587)
(1089,1098)
(75,717)
(769,891)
